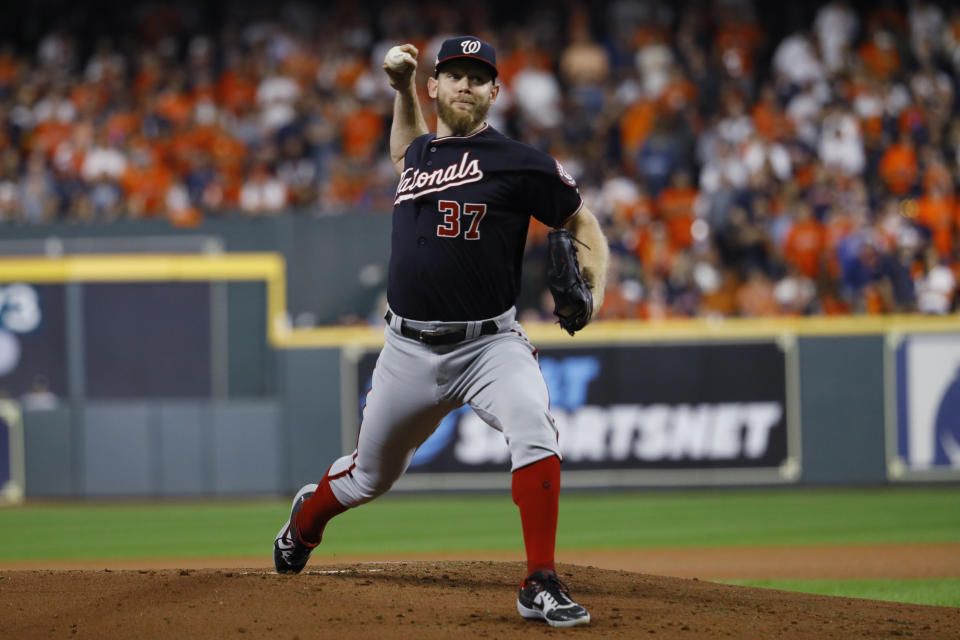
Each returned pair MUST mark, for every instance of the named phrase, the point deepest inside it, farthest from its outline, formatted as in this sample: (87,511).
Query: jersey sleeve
(415,150)
(552,194)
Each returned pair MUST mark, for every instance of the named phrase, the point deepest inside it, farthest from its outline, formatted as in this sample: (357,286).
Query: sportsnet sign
(668,411)
(661,436)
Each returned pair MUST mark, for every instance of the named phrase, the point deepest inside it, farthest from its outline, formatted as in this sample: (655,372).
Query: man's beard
(462,122)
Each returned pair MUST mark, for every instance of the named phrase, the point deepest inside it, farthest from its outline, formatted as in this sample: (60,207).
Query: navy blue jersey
(460,221)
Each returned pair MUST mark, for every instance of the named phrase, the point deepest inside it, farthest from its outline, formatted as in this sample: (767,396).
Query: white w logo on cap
(470,46)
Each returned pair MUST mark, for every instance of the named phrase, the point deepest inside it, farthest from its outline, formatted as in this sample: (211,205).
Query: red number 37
(451,219)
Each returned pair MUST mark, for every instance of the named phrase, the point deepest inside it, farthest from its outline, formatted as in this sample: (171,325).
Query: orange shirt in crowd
(898,168)
(349,70)
(49,134)
(346,188)
(617,306)
(636,123)
(872,127)
(723,299)
(146,187)
(228,153)
(881,61)
(175,107)
(935,211)
(770,121)
(804,175)
(678,94)
(755,296)
(803,246)
(675,206)
(181,144)
(656,254)
(831,305)
(236,90)
(740,39)
(146,80)
(8,69)
(121,124)
(362,129)
(87,97)
(873,300)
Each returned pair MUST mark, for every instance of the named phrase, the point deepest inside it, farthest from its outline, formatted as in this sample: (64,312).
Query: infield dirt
(424,600)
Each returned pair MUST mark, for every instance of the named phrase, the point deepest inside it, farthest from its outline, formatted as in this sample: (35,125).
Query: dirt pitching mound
(424,600)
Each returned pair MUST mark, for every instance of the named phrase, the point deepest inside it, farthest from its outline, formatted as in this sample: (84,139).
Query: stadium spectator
(737,161)
(675,206)
(584,65)
(755,296)
(898,166)
(804,242)
(836,26)
(936,285)
(262,193)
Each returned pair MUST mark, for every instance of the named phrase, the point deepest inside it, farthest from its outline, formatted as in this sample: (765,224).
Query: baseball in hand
(397,59)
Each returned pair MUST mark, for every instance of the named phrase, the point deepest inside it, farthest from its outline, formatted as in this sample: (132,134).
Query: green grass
(943,592)
(403,523)
(489,522)
(763,517)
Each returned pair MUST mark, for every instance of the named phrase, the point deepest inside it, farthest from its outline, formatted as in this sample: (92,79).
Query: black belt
(435,337)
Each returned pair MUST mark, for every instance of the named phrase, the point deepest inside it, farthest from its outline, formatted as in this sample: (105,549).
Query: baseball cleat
(290,554)
(544,597)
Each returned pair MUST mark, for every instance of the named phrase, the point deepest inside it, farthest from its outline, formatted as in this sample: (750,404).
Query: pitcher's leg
(512,396)
(383,454)
(536,492)
(401,411)
(505,386)
(317,511)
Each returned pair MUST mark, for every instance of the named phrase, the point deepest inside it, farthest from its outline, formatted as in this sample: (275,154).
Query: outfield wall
(700,406)
(833,431)
(179,373)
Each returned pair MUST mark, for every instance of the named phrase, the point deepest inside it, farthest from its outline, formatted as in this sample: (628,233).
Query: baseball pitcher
(460,219)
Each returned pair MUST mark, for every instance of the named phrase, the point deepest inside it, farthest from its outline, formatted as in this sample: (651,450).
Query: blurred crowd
(739,169)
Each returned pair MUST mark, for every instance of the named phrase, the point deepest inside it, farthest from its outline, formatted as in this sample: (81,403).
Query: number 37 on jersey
(457,215)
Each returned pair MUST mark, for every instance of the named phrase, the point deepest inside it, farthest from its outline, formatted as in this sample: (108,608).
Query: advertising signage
(664,410)
(33,352)
(924,443)
(12,472)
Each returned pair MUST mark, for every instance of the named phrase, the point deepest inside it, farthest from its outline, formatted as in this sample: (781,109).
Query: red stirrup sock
(536,490)
(316,512)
